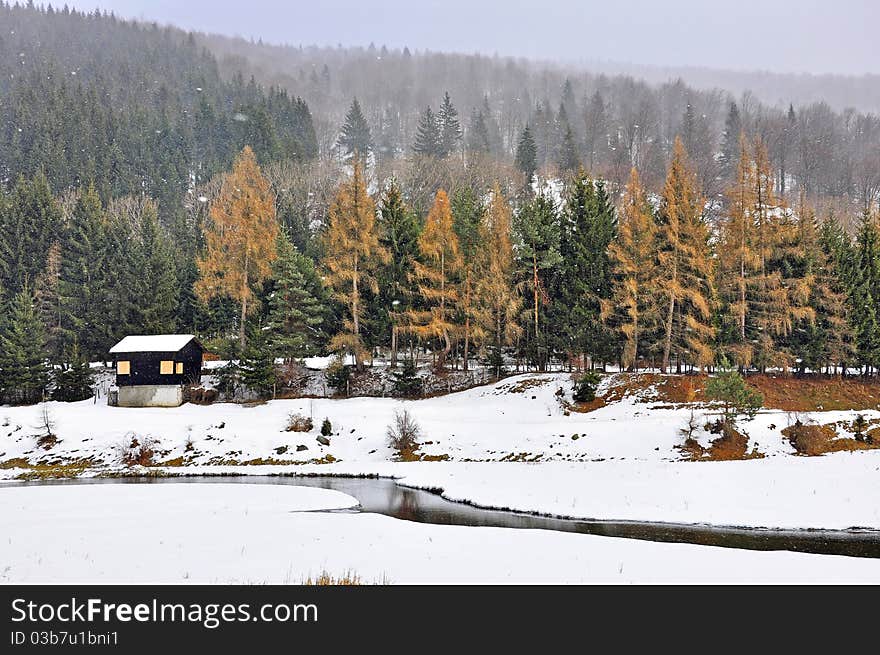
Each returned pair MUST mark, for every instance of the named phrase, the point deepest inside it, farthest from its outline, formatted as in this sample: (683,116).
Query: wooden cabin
(152,370)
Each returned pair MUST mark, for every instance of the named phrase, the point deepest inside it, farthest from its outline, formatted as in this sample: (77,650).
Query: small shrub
(859,426)
(326,428)
(690,427)
(495,361)
(404,433)
(585,387)
(338,375)
(296,422)
(729,388)
(406,382)
(137,451)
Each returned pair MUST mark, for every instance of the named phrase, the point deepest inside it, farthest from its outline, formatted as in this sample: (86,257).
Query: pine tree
(496,284)
(537,229)
(25,375)
(527,155)
(632,307)
(428,142)
(821,335)
(149,255)
(355,139)
(865,294)
(29,223)
(240,239)
(295,317)
(399,236)
(83,281)
(352,254)
(588,225)
(406,382)
(478,138)
(686,279)
(449,127)
(731,142)
(437,271)
(568,160)
(73,379)
(256,367)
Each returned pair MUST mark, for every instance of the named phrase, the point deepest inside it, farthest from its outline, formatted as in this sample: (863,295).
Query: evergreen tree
(256,367)
(568,160)
(83,278)
(296,315)
(865,294)
(437,270)
(148,255)
(399,236)
(406,382)
(449,127)
(821,337)
(632,306)
(25,375)
(527,155)
(538,255)
(428,141)
(588,224)
(73,379)
(731,142)
(355,139)
(729,388)
(478,138)
(29,222)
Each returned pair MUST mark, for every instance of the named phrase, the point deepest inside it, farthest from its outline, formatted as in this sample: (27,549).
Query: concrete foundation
(151,395)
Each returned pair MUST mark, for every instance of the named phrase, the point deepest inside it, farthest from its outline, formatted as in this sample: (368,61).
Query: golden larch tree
(686,267)
(632,307)
(437,276)
(240,237)
(496,289)
(352,254)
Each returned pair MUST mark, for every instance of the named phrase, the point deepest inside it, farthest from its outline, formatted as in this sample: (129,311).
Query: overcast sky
(816,36)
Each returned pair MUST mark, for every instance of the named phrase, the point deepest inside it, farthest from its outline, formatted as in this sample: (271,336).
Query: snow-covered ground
(219,533)
(511,445)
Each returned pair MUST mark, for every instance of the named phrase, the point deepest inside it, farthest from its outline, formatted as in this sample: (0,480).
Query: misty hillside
(617,120)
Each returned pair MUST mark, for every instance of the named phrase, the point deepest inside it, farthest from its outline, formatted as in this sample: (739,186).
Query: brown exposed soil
(786,393)
(808,394)
(731,445)
(811,439)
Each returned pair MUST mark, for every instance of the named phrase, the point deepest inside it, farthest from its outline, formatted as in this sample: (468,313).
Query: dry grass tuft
(325,579)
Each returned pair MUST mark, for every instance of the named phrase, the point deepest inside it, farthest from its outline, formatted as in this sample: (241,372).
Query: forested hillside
(460,208)
(131,108)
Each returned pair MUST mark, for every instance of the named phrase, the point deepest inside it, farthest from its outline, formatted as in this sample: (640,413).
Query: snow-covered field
(219,533)
(617,462)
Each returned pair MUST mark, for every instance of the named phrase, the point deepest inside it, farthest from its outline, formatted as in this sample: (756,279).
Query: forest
(150,185)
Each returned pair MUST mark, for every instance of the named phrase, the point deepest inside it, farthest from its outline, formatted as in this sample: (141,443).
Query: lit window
(166,367)
(123,368)
(179,368)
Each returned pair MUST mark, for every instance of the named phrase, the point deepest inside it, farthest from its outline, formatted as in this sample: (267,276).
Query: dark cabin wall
(144,366)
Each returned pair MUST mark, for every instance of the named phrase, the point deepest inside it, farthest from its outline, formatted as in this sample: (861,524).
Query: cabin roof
(153,343)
